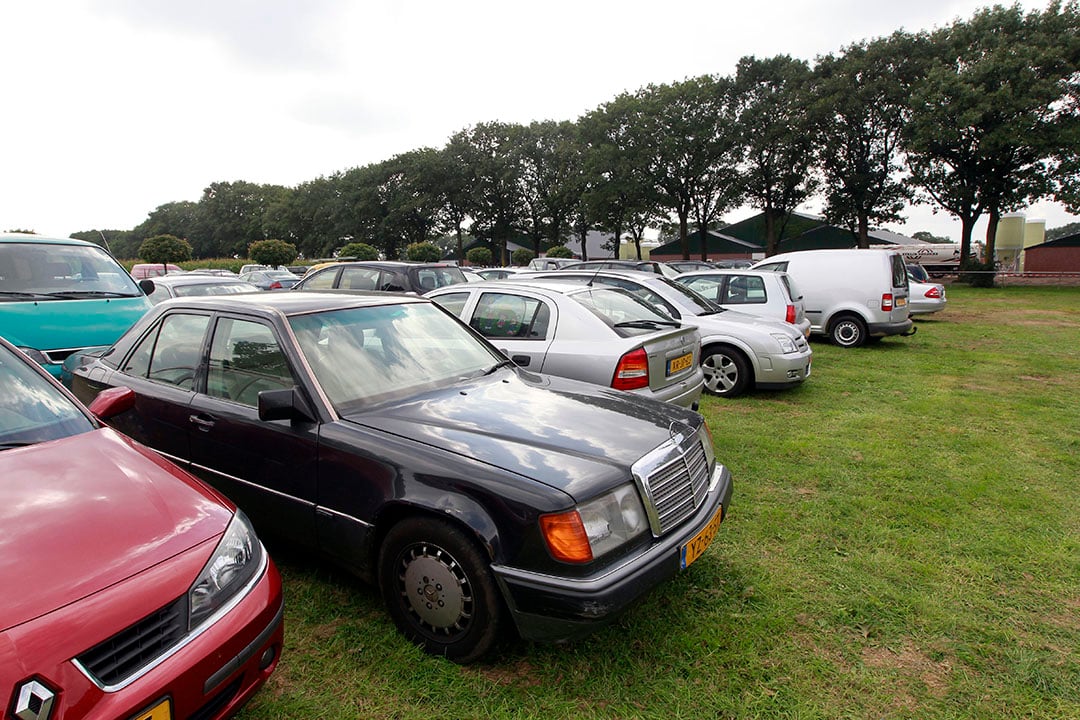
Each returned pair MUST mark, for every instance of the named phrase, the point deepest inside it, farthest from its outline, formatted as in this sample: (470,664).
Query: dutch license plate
(677,365)
(901,302)
(695,548)
(161,711)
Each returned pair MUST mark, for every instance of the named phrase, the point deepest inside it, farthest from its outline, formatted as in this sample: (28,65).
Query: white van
(850,296)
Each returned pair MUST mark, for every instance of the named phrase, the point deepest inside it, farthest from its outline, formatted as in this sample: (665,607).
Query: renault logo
(33,701)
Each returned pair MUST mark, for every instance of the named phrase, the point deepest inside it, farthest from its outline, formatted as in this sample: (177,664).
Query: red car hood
(80,514)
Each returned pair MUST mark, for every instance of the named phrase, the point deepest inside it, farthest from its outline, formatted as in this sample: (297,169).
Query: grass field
(904,542)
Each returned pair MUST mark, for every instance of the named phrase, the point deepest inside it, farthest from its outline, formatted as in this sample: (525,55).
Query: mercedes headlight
(595,527)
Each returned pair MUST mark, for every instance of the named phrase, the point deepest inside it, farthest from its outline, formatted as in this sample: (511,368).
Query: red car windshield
(32,410)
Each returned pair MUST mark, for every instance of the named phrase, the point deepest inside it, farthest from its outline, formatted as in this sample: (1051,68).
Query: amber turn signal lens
(565,537)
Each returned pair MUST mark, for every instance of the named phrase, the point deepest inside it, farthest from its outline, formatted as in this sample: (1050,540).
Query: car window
(436,277)
(707,286)
(773,267)
(62,272)
(899,271)
(321,280)
(245,359)
(454,302)
(644,293)
(627,314)
(359,278)
(170,352)
(506,315)
(744,290)
(160,294)
(232,288)
(32,410)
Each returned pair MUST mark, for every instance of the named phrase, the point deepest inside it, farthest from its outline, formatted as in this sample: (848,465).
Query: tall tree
(987,121)
(492,153)
(859,111)
(550,178)
(775,121)
(231,216)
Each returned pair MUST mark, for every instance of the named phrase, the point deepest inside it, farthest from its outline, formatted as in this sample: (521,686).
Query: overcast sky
(114,107)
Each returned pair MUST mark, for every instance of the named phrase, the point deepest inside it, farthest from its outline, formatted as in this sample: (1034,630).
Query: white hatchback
(756,292)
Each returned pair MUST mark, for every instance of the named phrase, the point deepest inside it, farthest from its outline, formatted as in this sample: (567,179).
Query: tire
(848,331)
(727,372)
(439,589)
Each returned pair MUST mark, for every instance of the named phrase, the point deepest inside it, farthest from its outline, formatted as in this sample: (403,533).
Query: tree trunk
(864,231)
(583,234)
(770,232)
(967,225)
(684,240)
(994,217)
(460,245)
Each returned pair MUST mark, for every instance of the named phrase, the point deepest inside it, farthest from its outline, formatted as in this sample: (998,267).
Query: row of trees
(980,117)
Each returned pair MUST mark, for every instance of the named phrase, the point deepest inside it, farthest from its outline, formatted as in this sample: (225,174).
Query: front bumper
(777,372)
(212,676)
(550,608)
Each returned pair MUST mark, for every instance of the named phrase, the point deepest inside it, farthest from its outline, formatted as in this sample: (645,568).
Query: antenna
(104,240)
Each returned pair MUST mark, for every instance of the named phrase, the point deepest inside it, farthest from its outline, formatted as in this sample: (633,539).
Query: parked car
(917,272)
(733,264)
(59,296)
(142,271)
(129,588)
(925,297)
(685,266)
(500,273)
(738,351)
(851,296)
(381,431)
(550,263)
(471,275)
(755,292)
(383,275)
(640,265)
(217,272)
(600,335)
(253,267)
(270,279)
(190,284)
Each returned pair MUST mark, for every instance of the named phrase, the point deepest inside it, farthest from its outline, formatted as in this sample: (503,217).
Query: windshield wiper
(13,293)
(87,293)
(496,366)
(647,324)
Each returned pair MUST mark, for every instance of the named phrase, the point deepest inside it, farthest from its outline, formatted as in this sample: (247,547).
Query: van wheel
(727,373)
(848,331)
(439,589)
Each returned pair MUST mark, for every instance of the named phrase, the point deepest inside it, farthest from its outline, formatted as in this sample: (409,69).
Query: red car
(128,588)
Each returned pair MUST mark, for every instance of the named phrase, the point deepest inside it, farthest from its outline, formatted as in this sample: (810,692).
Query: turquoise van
(60,296)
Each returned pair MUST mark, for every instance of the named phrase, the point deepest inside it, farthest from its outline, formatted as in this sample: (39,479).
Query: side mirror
(147,286)
(112,402)
(287,404)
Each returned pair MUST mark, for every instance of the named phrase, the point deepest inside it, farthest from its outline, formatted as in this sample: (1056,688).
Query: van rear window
(899,271)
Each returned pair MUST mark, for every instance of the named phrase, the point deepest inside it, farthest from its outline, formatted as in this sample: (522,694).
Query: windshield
(31,409)
(43,271)
(365,356)
(626,314)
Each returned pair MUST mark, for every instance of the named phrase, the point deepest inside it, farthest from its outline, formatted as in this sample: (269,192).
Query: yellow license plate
(161,711)
(901,302)
(695,548)
(676,365)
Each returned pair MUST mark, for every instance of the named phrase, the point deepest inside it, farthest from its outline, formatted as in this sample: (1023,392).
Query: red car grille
(124,654)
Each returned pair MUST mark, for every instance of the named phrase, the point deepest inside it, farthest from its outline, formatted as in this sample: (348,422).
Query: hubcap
(847,333)
(721,373)
(436,589)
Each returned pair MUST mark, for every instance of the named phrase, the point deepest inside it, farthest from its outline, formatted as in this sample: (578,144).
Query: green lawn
(904,542)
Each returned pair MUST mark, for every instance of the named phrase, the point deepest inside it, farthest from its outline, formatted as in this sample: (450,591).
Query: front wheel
(848,331)
(727,373)
(439,589)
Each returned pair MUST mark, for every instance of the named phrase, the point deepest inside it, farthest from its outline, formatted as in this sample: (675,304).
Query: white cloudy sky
(113,107)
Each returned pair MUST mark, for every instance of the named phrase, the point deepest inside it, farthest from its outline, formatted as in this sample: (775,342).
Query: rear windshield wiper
(647,324)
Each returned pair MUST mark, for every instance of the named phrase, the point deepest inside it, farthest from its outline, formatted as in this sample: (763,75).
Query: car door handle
(202,423)
(521,360)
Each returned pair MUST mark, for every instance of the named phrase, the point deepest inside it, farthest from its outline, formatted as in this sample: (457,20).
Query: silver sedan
(738,351)
(600,335)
